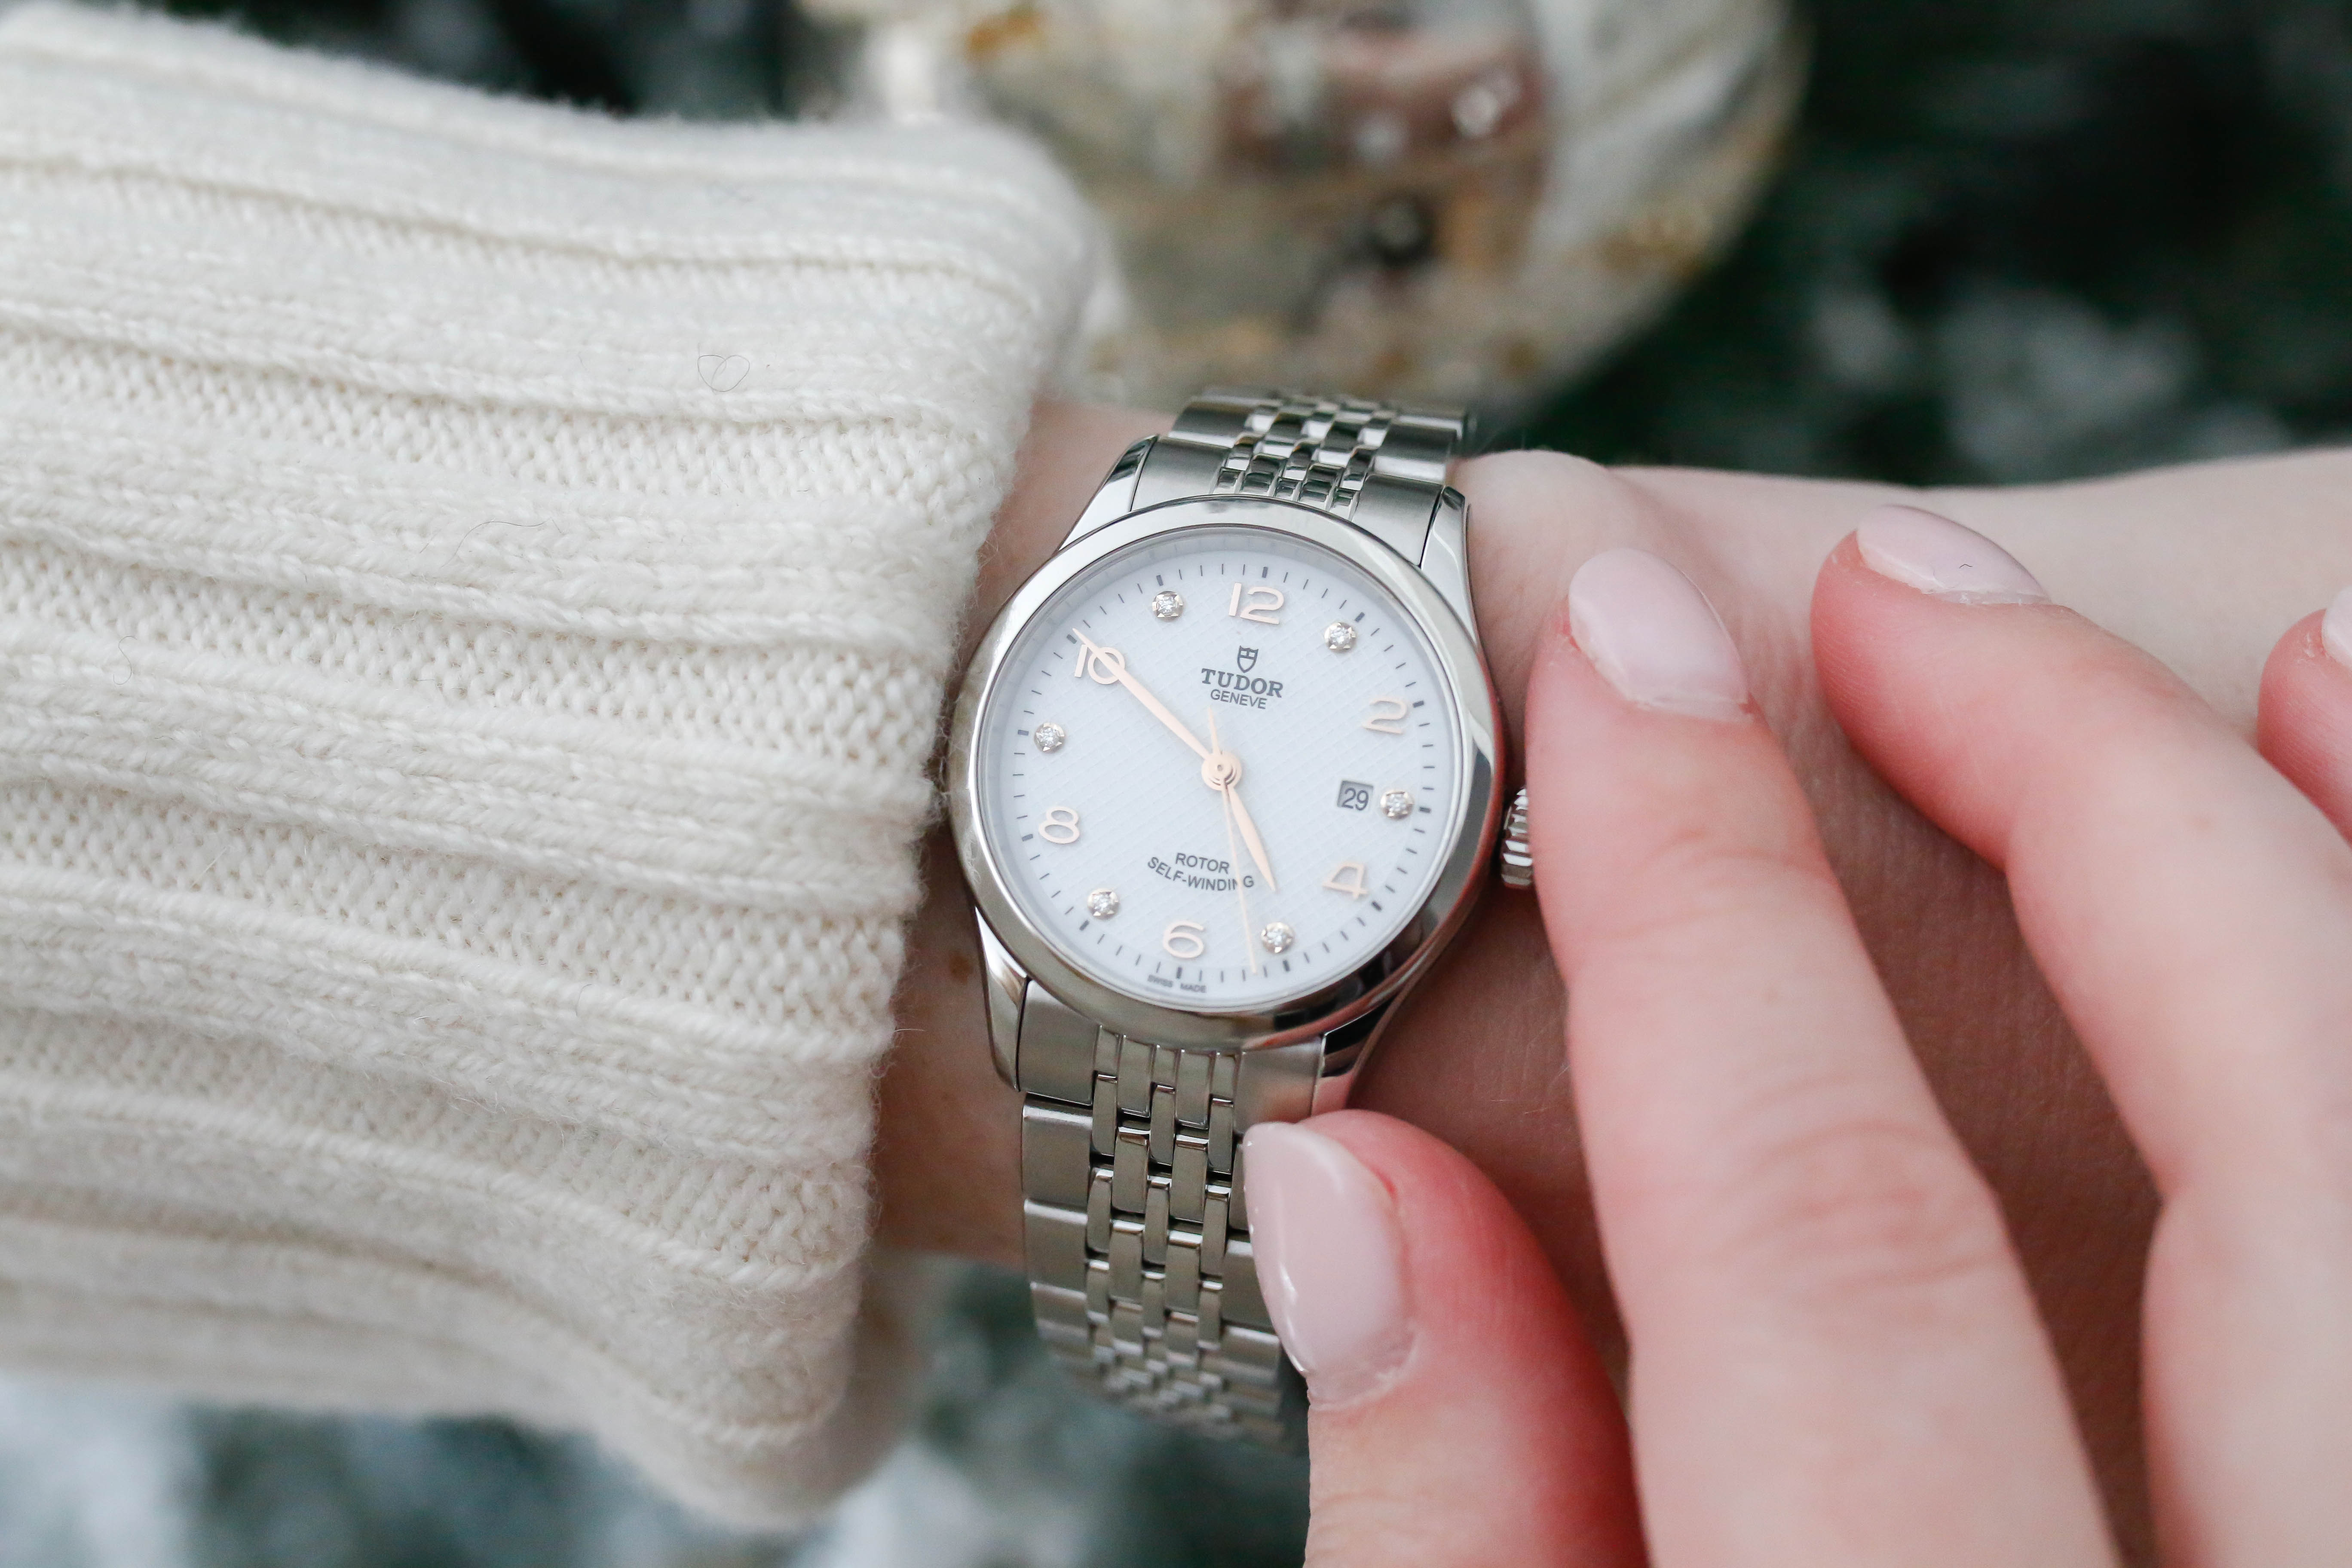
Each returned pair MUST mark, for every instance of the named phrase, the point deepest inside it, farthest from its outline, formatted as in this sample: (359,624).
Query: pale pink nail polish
(1330,1259)
(1944,559)
(1653,637)
(2336,628)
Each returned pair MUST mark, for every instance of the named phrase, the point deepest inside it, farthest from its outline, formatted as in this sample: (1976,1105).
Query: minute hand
(1250,840)
(1222,773)
(1094,659)
(1250,833)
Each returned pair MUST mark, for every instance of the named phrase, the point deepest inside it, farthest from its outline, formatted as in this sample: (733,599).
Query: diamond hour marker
(1277,937)
(1049,737)
(1339,637)
(1168,603)
(1396,804)
(1102,903)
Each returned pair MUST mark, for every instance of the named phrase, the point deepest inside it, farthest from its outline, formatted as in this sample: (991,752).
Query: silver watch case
(1472,829)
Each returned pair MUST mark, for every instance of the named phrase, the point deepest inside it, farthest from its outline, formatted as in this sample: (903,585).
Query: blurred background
(1929,241)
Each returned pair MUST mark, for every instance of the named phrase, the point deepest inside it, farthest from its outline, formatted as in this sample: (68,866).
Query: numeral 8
(1060,827)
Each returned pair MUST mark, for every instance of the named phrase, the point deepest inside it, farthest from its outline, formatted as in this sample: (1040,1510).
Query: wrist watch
(1225,777)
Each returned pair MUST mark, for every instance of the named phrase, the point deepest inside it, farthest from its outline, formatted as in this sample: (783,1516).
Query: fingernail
(2336,628)
(1944,559)
(1653,637)
(1330,1259)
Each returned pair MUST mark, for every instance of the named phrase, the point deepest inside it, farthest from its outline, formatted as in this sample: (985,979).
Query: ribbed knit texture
(476,586)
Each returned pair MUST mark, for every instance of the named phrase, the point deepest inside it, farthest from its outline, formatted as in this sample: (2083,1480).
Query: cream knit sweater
(476,585)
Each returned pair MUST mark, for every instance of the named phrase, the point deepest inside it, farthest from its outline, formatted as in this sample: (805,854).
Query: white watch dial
(1218,769)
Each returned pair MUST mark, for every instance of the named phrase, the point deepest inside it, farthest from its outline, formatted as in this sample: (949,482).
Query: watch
(1225,778)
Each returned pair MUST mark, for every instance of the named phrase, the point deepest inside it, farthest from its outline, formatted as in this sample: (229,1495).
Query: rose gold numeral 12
(1388,715)
(1256,602)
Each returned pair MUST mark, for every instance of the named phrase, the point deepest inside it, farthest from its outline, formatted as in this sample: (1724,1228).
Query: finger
(1834,1357)
(1458,1413)
(2306,728)
(2193,914)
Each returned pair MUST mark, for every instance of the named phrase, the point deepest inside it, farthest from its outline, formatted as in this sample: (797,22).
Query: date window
(1354,796)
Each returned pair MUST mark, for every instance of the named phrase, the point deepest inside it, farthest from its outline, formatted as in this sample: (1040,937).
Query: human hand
(1472,1054)
(1836,1355)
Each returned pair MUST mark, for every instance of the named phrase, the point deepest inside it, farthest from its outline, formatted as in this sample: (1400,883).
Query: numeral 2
(1183,939)
(1388,715)
(1256,602)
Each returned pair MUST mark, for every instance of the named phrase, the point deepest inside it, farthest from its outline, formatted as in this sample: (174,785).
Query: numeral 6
(1185,939)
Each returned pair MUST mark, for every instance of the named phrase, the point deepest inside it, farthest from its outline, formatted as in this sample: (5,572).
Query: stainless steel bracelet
(1137,1221)
(1137,1228)
(1381,465)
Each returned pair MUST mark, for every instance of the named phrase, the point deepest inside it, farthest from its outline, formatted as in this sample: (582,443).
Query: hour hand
(1108,667)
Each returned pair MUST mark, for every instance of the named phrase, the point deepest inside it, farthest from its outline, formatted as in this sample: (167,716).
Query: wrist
(947,1155)
(1475,1053)
(2201,567)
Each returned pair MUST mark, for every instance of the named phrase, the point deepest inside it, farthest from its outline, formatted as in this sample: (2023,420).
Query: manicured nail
(1653,637)
(1944,559)
(2336,628)
(1330,1259)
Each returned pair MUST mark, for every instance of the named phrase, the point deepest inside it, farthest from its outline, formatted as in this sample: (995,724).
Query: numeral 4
(1347,878)
(1185,939)
(1388,715)
(1256,602)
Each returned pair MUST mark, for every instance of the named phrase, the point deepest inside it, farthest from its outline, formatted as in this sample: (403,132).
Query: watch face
(1218,769)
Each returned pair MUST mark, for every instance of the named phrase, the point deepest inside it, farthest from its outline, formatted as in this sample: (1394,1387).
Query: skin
(2202,567)
(2303,691)
(1836,1358)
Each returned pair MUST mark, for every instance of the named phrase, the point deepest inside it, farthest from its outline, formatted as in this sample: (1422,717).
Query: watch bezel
(1471,827)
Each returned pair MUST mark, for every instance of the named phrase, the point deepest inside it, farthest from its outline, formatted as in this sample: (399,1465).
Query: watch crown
(1515,859)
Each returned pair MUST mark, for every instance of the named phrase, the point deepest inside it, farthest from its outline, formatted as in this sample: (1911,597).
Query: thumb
(1457,1412)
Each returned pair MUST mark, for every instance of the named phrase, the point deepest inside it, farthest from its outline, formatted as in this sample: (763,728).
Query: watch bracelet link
(1141,1273)
(1381,465)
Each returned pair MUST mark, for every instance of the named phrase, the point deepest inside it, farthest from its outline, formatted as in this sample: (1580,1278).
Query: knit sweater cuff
(476,585)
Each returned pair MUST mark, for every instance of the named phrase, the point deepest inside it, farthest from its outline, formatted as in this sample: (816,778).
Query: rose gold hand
(1249,836)
(1092,660)
(1226,794)
(1221,771)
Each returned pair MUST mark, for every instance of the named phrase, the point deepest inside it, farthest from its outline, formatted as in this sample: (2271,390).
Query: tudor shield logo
(1236,685)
